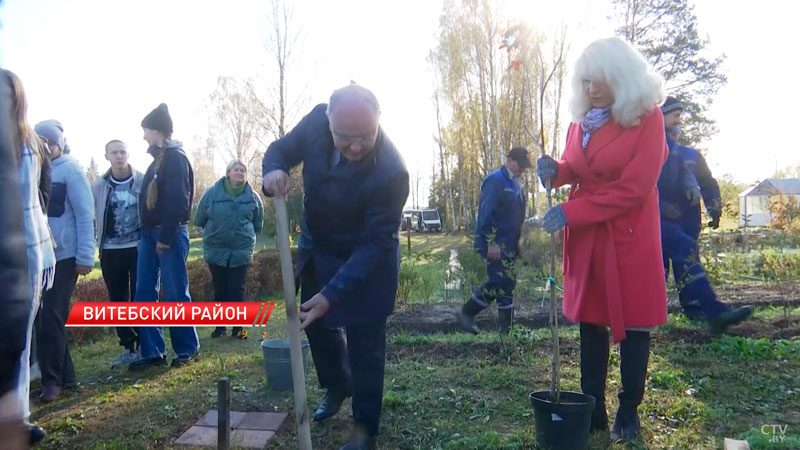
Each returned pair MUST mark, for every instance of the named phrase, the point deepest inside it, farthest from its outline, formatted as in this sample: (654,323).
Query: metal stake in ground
(555,369)
(224,413)
(293,325)
(555,386)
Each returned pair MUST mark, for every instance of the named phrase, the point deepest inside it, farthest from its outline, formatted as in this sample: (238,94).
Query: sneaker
(144,364)
(219,331)
(50,393)
(125,358)
(240,334)
(181,361)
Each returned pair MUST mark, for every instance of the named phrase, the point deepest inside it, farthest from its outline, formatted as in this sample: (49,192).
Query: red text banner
(143,314)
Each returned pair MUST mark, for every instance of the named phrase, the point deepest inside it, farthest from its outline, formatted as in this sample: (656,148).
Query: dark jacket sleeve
(45,179)
(176,192)
(289,150)
(490,195)
(708,187)
(383,214)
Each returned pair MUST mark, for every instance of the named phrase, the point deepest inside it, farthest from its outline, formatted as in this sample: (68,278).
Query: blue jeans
(171,264)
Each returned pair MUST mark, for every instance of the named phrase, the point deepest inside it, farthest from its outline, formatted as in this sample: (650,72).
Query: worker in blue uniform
(348,259)
(677,186)
(696,163)
(500,217)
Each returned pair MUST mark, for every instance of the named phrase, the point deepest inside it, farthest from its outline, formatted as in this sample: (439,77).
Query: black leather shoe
(330,405)
(35,433)
(144,364)
(361,442)
(181,361)
(731,317)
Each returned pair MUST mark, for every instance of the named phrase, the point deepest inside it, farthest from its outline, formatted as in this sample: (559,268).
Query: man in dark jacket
(502,211)
(348,259)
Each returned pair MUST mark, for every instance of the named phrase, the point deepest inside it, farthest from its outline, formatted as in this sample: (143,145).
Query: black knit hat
(671,104)
(159,120)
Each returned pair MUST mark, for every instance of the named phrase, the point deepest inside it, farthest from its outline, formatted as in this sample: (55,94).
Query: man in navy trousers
(356,185)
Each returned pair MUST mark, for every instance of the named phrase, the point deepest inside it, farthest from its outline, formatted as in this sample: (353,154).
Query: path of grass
(451,391)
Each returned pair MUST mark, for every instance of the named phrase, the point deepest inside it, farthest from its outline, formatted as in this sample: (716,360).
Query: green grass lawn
(453,391)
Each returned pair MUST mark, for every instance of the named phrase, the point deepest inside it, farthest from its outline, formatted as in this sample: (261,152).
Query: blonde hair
(25,133)
(152,188)
(636,86)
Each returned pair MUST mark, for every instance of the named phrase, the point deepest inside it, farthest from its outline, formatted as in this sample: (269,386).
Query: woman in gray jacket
(230,213)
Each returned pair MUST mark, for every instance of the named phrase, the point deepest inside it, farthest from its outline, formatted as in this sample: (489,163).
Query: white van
(425,219)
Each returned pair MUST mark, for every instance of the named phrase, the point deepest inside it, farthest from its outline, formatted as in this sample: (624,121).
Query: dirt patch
(774,328)
(493,351)
(443,317)
(688,335)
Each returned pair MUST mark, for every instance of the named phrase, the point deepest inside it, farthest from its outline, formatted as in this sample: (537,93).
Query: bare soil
(442,317)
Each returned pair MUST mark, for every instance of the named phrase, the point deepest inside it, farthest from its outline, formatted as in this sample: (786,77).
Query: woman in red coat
(613,270)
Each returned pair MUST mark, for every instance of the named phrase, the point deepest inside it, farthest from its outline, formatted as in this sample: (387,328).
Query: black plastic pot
(564,425)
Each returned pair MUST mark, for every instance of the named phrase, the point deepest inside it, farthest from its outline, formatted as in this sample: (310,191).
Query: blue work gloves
(553,219)
(546,169)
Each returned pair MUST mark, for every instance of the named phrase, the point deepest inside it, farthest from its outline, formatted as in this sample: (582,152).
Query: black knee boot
(594,368)
(634,355)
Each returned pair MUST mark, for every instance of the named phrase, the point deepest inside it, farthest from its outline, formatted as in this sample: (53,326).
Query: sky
(99,66)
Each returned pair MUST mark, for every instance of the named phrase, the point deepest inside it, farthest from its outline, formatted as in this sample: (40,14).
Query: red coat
(613,270)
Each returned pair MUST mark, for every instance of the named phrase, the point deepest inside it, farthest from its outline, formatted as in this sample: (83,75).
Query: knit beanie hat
(52,132)
(159,120)
(671,104)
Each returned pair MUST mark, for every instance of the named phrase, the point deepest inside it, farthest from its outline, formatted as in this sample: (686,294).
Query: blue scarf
(594,119)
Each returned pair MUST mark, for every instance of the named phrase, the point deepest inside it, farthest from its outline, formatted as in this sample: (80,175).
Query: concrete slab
(199,436)
(211,417)
(262,421)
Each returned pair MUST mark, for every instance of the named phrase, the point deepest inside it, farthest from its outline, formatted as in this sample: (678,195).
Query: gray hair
(351,92)
(234,162)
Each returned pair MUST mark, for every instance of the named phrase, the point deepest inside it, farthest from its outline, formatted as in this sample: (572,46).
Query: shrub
(418,278)
(88,291)
(263,278)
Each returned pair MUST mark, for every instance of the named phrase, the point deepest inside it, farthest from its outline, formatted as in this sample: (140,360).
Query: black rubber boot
(594,370)
(730,317)
(634,355)
(505,319)
(466,317)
